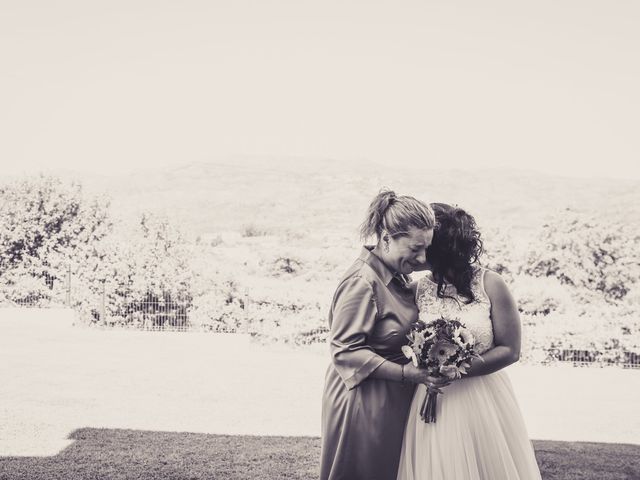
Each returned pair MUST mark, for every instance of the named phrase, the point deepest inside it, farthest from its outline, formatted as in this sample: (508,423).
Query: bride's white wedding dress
(479,433)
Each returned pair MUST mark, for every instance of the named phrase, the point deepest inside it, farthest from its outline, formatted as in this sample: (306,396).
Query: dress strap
(423,291)
(419,290)
(480,273)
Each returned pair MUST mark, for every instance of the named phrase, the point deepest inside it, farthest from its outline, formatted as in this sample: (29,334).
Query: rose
(450,371)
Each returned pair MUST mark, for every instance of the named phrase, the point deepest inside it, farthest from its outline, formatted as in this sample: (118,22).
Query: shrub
(286,265)
(540,296)
(252,230)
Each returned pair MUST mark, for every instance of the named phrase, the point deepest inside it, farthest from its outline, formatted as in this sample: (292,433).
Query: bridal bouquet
(445,348)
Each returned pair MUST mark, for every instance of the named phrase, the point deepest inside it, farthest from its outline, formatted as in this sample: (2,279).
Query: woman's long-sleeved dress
(363,418)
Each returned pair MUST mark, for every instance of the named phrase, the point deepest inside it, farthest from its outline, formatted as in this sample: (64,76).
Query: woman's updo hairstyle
(395,214)
(455,248)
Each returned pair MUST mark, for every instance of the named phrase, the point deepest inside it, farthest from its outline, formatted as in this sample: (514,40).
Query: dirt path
(56,378)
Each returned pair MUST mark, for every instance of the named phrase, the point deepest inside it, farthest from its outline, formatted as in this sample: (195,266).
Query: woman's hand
(421,375)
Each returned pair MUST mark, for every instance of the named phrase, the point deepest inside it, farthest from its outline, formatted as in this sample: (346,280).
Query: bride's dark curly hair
(455,249)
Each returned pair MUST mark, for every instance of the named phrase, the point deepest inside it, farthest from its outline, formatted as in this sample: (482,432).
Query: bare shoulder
(497,290)
(494,284)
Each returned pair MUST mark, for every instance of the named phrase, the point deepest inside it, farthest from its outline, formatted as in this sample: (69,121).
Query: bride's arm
(506,328)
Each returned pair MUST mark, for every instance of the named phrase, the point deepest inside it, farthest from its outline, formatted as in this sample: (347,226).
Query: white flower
(410,354)
(417,340)
(463,368)
(463,337)
(428,334)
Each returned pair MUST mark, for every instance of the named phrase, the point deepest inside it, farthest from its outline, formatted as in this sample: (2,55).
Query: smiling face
(408,251)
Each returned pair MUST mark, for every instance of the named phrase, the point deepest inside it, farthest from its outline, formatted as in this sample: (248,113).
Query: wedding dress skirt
(479,434)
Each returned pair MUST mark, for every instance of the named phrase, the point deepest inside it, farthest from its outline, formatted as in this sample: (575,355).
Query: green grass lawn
(136,455)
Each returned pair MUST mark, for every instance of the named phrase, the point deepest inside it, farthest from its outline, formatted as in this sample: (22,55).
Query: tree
(587,254)
(148,281)
(47,226)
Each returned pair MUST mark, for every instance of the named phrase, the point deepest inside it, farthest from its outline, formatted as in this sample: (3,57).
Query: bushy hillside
(268,239)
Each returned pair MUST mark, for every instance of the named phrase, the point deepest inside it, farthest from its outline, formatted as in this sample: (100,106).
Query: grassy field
(129,454)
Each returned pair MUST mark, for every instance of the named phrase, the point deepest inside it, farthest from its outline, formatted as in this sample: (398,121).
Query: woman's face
(407,253)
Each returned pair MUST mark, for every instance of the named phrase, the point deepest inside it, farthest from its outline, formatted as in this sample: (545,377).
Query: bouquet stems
(428,409)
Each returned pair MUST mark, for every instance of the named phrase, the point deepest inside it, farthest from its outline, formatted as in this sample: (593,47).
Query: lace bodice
(476,315)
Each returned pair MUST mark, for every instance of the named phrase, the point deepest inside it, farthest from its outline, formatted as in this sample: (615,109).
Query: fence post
(103,313)
(245,327)
(69,286)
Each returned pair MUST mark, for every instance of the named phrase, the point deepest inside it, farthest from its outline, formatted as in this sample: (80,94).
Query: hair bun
(386,198)
(388,195)
(396,214)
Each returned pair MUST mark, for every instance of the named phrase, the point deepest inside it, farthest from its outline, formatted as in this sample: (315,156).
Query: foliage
(56,244)
(587,254)
(148,283)
(574,273)
(541,295)
(219,306)
(252,230)
(46,227)
(286,265)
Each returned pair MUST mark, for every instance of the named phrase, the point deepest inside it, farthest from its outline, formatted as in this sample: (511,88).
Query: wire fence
(588,358)
(166,328)
(41,291)
(103,308)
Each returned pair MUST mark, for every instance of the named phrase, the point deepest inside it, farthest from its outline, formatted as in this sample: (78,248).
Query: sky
(112,86)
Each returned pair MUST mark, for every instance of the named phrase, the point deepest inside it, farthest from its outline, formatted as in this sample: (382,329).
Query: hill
(328,196)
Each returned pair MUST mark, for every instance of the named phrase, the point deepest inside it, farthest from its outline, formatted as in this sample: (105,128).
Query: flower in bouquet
(450,371)
(442,351)
(419,335)
(463,337)
(411,355)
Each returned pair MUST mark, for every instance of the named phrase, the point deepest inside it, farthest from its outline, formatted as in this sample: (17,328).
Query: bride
(479,433)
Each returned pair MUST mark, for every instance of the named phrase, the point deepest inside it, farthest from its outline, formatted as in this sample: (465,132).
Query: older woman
(369,386)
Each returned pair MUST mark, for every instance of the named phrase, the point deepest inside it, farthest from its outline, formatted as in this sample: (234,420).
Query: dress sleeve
(354,314)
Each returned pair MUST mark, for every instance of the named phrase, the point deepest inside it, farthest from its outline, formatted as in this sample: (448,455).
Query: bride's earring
(386,246)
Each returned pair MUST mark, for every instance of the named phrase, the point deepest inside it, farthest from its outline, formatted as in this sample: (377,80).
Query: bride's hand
(435,384)
(421,375)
